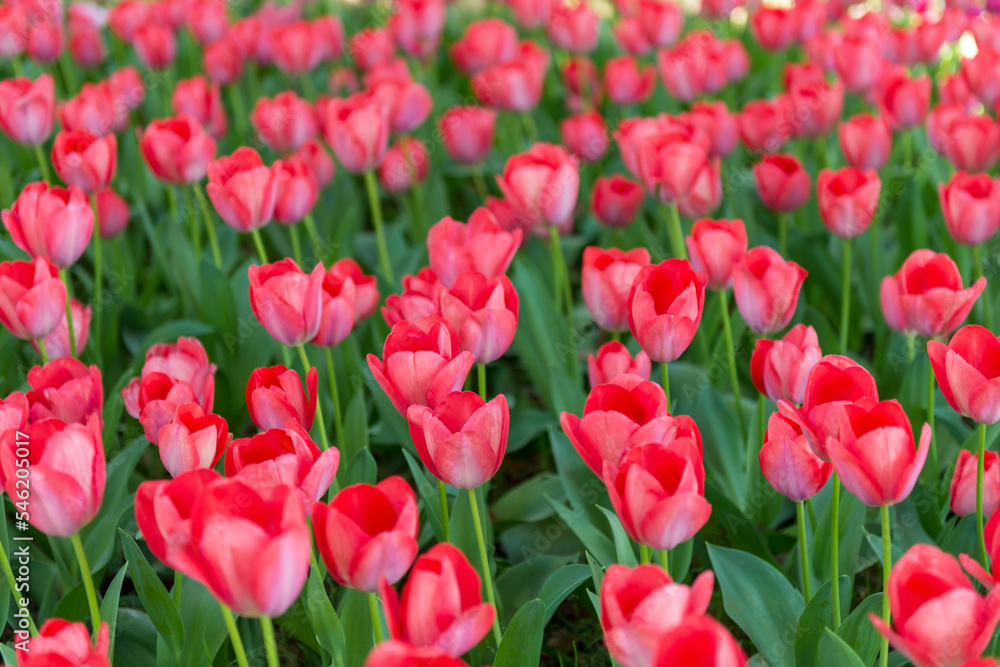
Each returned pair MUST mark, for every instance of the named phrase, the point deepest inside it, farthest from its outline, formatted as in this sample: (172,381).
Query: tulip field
(469,333)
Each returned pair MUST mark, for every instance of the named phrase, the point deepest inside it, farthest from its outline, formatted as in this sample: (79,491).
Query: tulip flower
(285,122)
(357,130)
(682,174)
(789,463)
(763,126)
(32,298)
(207,20)
(661,20)
(980,72)
(57,343)
(84,160)
(970,142)
(51,222)
(606,282)
(989,579)
(926,296)
(467,133)
(848,199)
(515,85)
(664,308)
(155,44)
(699,638)
(296,190)
(370,47)
(481,246)
(902,99)
(483,312)
(585,135)
(971,207)
(865,141)
(614,360)
(963,484)
(93,108)
(573,28)
(28,109)
(400,654)
(484,43)
(223,60)
(858,62)
(408,102)
(813,105)
(582,83)
(274,395)
(192,440)
(715,120)
(177,150)
(65,389)
(774,28)
(296,47)
(766,289)
(420,298)
(202,100)
(626,82)
(287,301)
(60,642)
(368,533)
(318,158)
(782,182)
(716,247)
(406,165)
(243,190)
(416,25)
(780,368)
(542,184)
(616,200)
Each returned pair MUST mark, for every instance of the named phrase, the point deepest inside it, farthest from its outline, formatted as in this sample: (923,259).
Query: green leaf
(355,426)
(852,522)
(680,560)
(323,617)
(624,553)
(357,626)
(9,657)
(817,616)
(834,652)
(526,501)
(858,632)
(561,585)
(596,542)
(109,605)
(428,491)
(204,629)
(521,645)
(361,469)
(759,599)
(153,594)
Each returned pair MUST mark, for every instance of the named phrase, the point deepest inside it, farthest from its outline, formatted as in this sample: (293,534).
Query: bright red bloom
(60,642)
(28,109)
(848,199)
(32,298)
(85,160)
(192,440)
(467,133)
(274,395)
(65,389)
(968,372)
(665,306)
(626,82)
(963,483)
(542,184)
(782,182)
(585,135)
(420,298)
(177,150)
(766,289)
(614,360)
(606,283)
(789,463)
(483,311)
(484,43)
(287,301)
(716,247)
(242,189)
(865,141)
(971,207)
(51,222)
(357,130)
(902,99)
(201,100)
(926,296)
(285,122)
(455,247)
(616,200)
(780,368)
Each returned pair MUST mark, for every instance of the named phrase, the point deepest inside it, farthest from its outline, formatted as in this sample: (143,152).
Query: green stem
(482,380)
(487,577)
(480,183)
(800,515)
(731,354)
(443,500)
(234,636)
(88,582)
(987,316)
(270,646)
(42,352)
(310,224)
(338,420)
(886,573)
(979,497)
(559,260)
(376,211)
(666,382)
(376,617)
(320,423)
(239,110)
(675,233)
(259,243)
(930,422)
(308,89)
(645,554)
(209,224)
(845,301)
(98,275)
(911,348)
(195,231)
(835,550)
(43,164)
(783,234)
(665,560)
(293,232)
(64,274)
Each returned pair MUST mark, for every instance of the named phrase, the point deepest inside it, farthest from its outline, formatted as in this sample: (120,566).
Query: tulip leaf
(355,426)
(875,542)
(624,553)
(759,599)
(526,501)
(153,594)
(357,626)
(521,645)
(361,469)
(323,617)
(680,560)
(204,629)
(817,616)
(592,539)
(852,522)
(560,585)
(834,652)
(858,632)
(427,488)
(8,655)
(109,605)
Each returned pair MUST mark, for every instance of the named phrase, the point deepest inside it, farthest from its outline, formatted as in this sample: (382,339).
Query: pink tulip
(32,298)
(963,483)
(65,389)
(614,360)
(274,395)
(766,288)
(716,247)
(606,283)
(780,368)
(456,248)
(192,440)
(51,222)
(926,296)
(789,463)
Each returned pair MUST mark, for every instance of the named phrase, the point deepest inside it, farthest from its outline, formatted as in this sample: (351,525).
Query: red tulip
(664,308)
(206,20)
(155,44)
(662,20)
(981,72)
(285,122)
(421,363)
(970,142)
(904,100)
(274,395)
(467,133)
(201,100)
(28,109)
(966,371)
(330,33)
(409,103)
(766,288)
(531,14)
(699,642)
(639,605)
(848,199)
(685,69)
(243,190)
(86,41)
(484,43)
(542,184)
(297,48)
(65,389)
(813,105)
(400,654)
(775,28)
(515,85)
(940,619)
(715,121)
(420,298)
(681,173)
(634,134)
(585,135)
(287,301)
(963,483)
(865,141)
(296,190)
(342,81)
(250,548)
(782,182)
(126,90)
(462,441)
(367,533)
(84,160)
(340,309)
(606,282)
(926,295)
(780,368)
(481,246)
(789,463)
(177,150)
(112,213)
(317,157)
(366,294)
(716,247)
(92,109)
(192,440)
(483,312)
(659,495)
(370,47)
(573,28)
(60,642)
(406,162)
(125,18)
(51,222)
(416,26)
(442,606)
(66,465)
(187,361)
(954,91)
(32,298)
(988,579)
(858,62)
(626,82)
(57,343)
(224,60)
(614,360)
(357,130)
(631,36)
(971,207)
(616,200)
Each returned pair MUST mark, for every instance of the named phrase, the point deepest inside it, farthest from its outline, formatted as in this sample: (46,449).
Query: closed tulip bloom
(515,85)
(371,46)
(177,150)
(614,360)
(287,301)
(409,103)
(858,62)
(940,620)
(763,126)
(782,182)
(357,130)
(155,44)
(606,282)
(406,162)
(51,222)
(420,298)
(715,248)
(223,60)
(780,368)
(813,105)
(980,73)
(661,20)
(971,207)
(639,605)
(462,441)
(416,26)
(187,361)
(485,42)
(926,296)
(689,69)
(243,190)
(582,83)
(32,298)
(28,109)
(14,412)
(154,398)
(616,200)
(467,133)
(60,642)
(715,120)
(368,533)
(991,533)
(65,389)
(968,374)
(904,100)
(542,184)
(766,288)
(963,483)
(340,308)
(126,88)
(284,122)
(112,213)
(318,158)
(848,199)
(665,306)
(970,142)
(85,160)
(455,247)
(202,100)
(573,28)
(366,296)
(788,461)
(865,141)
(441,606)
(66,466)
(400,654)
(626,82)
(585,135)
(296,47)
(421,363)
(659,496)
(91,109)
(296,190)
(57,342)
(483,312)
(682,173)
(274,395)
(192,440)
(207,20)
(775,28)
(530,14)
(699,642)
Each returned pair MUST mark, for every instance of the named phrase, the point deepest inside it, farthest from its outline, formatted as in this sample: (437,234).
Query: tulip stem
(487,577)
(980,464)
(665,560)
(308,89)
(88,582)
(562,274)
(443,500)
(239,111)
(800,515)
(338,420)
(376,617)
(930,422)
(666,382)
(43,164)
(480,182)
(64,274)
(482,380)
(675,233)
(98,273)
(293,232)
(835,550)
(234,636)
(845,297)
(320,423)
(259,243)
(987,317)
(42,352)
(270,646)
(310,224)
(911,347)
(209,224)
(376,211)
(731,354)
(886,572)
(783,234)
(195,231)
